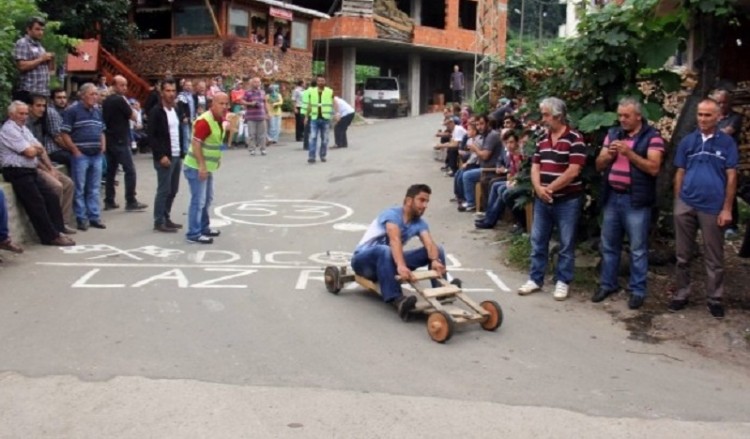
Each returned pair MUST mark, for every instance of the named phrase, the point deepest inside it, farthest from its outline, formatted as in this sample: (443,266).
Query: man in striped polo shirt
(83,132)
(555,173)
(630,160)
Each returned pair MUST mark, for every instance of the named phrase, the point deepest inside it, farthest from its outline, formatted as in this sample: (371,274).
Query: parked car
(384,97)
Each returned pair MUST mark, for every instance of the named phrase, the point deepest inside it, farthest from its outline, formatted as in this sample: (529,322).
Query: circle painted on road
(284,213)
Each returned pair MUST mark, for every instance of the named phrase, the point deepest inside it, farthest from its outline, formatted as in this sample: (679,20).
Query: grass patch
(519,252)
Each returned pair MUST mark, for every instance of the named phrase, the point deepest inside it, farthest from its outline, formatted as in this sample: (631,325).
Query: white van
(383,97)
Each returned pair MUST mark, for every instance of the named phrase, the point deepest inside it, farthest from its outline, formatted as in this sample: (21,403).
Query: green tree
(12,27)
(107,19)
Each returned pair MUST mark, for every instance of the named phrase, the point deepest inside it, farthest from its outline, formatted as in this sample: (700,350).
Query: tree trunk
(710,32)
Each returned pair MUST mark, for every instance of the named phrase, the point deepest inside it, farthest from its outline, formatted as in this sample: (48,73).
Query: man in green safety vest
(321,108)
(202,160)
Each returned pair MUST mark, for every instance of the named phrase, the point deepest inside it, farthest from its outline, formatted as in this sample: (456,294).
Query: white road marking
(496,279)
(350,227)
(167,265)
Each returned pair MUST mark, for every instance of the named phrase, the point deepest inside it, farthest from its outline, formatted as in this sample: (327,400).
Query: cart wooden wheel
(495,319)
(332,279)
(440,326)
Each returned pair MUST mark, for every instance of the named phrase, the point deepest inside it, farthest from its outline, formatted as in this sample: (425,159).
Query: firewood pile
(391,22)
(673,102)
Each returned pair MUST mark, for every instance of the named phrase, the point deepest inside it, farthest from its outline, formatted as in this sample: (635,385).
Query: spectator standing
(345,118)
(83,132)
(630,160)
(200,99)
(257,113)
(555,174)
(320,109)
(164,137)
(275,101)
(201,161)
(5,242)
(33,62)
(117,114)
(457,85)
(705,184)
(299,116)
(186,107)
(730,122)
(19,152)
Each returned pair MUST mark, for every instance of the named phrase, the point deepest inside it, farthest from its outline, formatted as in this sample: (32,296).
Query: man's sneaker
(135,206)
(82,225)
(252,152)
(212,232)
(561,291)
(677,305)
(323,159)
(529,287)
(262,152)
(716,310)
(111,205)
(201,240)
(731,234)
(311,161)
(405,305)
(602,294)
(466,207)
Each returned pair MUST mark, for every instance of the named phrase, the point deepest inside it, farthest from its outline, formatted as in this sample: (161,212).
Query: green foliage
(593,122)
(519,252)
(12,27)
(107,19)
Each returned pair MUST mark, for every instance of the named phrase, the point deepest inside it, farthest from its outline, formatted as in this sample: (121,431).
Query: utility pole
(523,10)
(541,14)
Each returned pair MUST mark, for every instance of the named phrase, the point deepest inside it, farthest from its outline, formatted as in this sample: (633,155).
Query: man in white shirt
(164,136)
(346,116)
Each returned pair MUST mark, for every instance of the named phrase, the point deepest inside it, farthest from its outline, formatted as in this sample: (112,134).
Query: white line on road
(496,279)
(167,265)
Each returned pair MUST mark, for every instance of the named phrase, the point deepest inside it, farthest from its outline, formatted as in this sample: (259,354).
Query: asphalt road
(138,334)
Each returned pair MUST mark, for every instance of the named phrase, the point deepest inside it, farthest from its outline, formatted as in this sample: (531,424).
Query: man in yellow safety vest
(201,161)
(321,108)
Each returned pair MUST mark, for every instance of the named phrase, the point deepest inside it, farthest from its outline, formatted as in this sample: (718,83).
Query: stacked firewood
(391,22)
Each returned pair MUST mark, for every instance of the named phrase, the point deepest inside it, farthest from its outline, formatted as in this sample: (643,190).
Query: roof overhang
(381,46)
(299,9)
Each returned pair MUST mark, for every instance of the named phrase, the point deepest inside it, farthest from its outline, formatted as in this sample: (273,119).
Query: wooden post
(213,17)
(529,216)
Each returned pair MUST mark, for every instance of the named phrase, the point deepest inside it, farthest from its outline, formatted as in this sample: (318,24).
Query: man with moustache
(380,254)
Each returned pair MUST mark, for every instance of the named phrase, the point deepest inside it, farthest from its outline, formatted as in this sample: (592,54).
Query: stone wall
(204,58)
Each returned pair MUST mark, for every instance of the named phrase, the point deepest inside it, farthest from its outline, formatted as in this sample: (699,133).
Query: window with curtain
(300,33)
(192,20)
(239,22)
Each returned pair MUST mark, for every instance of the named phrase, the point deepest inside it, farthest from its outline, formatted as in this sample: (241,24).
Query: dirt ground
(725,340)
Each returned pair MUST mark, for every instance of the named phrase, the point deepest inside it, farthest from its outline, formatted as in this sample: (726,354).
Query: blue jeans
(458,184)
(470,179)
(376,263)
(564,215)
(87,176)
(496,202)
(3,218)
(167,185)
(621,218)
(318,127)
(201,195)
(186,136)
(274,128)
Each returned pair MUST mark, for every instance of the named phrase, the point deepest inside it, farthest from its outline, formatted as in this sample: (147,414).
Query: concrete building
(417,41)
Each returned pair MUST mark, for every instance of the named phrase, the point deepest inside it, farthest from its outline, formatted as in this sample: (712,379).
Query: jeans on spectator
(621,218)
(496,202)
(38,200)
(186,137)
(201,195)
(257,134)
(274,128)
(299,125)
(3,218)
(167,185)
(339,131)
(376,263)
(318,128)
(563,214)
(458,184)
(471,178)
(306,135)
(118,153)
(451,159)
(510,196)
(87,175)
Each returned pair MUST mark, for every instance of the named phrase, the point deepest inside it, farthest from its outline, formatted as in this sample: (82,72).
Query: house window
(190,20)
(467,15)
(300,33)
(239,22)
(154,23)
(259,27)
(281,33)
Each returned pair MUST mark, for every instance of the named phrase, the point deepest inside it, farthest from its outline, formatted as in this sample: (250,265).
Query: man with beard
(380,255)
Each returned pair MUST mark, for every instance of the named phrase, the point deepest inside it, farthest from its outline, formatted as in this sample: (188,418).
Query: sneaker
(97,224)
(310,161)
(82,225)
(212,232)
(716,310)
(252,152)
(200,240)
(323,159)
(731,234)
(110,205)
(466,207)
(529,287)
(405,305)
(602,294)
(481,224)
(561,291)
(677,305)
(635,301)
(262,152)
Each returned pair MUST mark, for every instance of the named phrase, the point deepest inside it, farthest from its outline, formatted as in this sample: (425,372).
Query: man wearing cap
(453,126)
